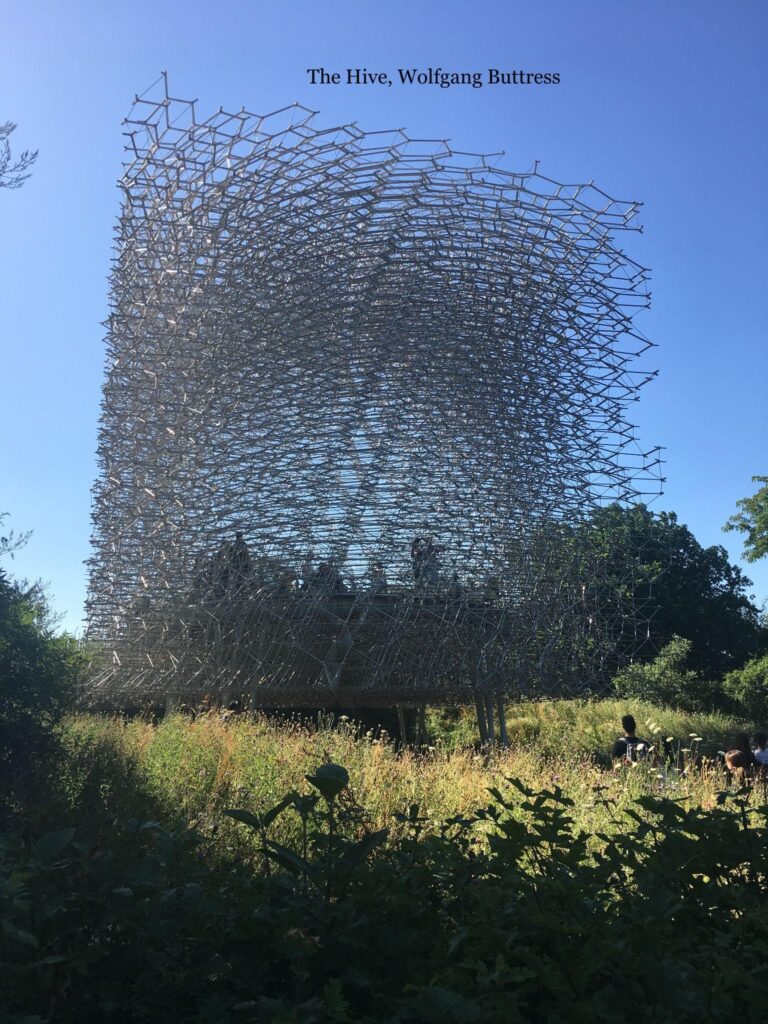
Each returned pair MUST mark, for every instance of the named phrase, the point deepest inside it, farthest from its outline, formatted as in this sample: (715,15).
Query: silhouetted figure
(424,554)
(455,590)
(491,590)
(418,549)
(220,570)
(760,741)
(629,747)
(378,579)
(740,759)
(239,560)
(740,755)
(329,579)
(285,582)
(307,570)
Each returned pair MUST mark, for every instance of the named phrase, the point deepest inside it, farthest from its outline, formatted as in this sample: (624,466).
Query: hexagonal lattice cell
(359,389)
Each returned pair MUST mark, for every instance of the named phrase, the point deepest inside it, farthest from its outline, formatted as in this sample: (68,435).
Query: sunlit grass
(188,772)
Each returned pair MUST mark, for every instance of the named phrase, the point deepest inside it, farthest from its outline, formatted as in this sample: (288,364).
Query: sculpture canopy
(335,342)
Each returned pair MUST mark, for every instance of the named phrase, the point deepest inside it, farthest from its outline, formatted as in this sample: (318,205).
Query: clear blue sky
(663,102)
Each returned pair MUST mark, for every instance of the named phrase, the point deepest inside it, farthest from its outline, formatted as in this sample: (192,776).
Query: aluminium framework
(363,392)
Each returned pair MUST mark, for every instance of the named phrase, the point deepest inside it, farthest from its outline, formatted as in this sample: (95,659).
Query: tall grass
(558,728)
(188,772)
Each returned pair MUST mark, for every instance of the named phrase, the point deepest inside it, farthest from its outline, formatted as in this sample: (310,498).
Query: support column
(502,711)
(489,717)
(421,726)
(482,724)
(401,723)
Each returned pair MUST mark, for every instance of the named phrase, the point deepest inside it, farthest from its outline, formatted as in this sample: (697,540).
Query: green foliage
(753,520)
(81,922)
(667,681)
(190,772)
(38,671)
(566,730)
(508,915)
(328,856)
(654,565)
(748,689)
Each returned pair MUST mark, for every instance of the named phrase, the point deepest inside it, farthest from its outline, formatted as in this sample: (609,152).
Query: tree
(667,681)
(12,174)
(38,673)
(753,520)
(676,587)
(748,688)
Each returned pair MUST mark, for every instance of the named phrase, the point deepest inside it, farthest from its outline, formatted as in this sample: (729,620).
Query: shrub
(510,915)
(747,687)
(38,671)
(668,681)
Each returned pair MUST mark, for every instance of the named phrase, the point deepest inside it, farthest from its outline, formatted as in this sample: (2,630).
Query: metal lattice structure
(359,387)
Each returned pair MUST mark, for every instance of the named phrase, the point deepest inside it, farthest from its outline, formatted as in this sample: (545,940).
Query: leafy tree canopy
(668,682)
(675,586)
(753,520)
(748,689)
(38,672)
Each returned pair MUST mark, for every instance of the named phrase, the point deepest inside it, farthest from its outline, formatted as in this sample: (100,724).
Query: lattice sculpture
(361,391)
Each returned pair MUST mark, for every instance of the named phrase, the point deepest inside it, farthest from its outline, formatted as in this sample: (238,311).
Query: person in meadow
(761,750)
(629,747)
(740,759)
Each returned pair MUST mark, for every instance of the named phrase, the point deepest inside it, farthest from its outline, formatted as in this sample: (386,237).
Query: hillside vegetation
(189,772)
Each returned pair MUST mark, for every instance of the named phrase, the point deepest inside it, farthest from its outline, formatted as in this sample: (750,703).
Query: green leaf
(51,845)
(357,852)
(520,786)
(10,931)
(269,816)
(288,859)
(259,822)
(245,818)
(335,1003)
(54,958)
(438,1005)
(457,940)
(10,843)
(304,805)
